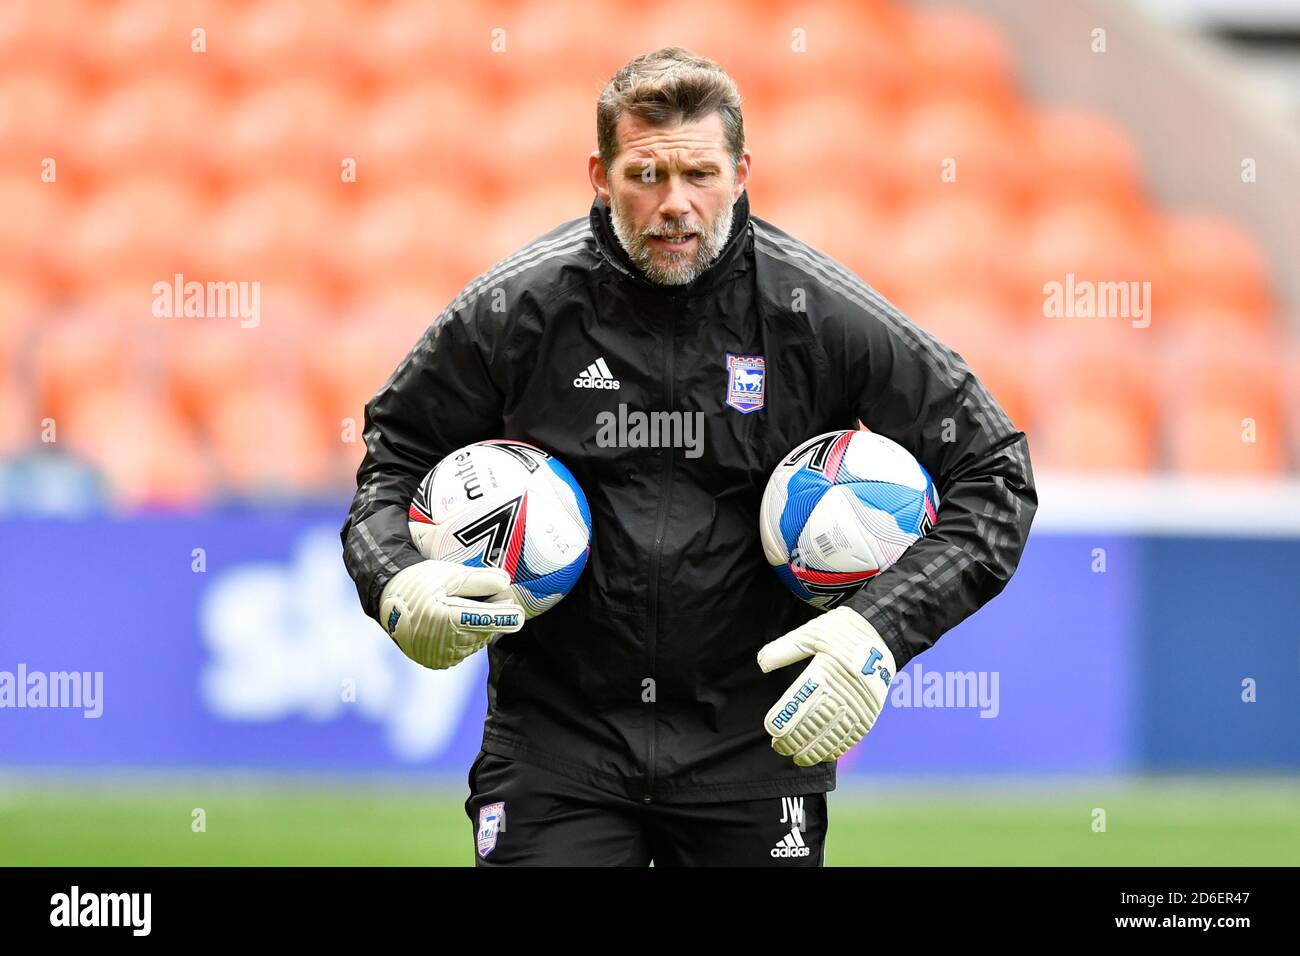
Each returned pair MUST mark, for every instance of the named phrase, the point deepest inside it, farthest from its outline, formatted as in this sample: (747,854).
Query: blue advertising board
(234,639)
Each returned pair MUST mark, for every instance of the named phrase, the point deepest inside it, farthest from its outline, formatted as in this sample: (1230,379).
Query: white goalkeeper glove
(440,613)
(837,698)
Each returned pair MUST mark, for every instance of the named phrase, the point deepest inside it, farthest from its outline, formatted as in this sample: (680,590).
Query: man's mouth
(675,243)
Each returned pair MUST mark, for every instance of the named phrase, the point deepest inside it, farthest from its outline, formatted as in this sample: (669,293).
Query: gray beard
(674,268)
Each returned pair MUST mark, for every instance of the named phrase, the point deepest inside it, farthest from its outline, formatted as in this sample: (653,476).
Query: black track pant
(522,815)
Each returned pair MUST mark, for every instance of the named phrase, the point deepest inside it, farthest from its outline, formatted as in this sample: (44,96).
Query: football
(841,508)
(506,504)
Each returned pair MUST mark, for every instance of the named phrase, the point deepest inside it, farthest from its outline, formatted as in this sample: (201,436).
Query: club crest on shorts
(491,820)
(746,378)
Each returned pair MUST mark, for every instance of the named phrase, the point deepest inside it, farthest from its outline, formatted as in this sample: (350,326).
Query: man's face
(670,194)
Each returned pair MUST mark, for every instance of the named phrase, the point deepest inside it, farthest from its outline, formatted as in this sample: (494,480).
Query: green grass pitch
(1180,822)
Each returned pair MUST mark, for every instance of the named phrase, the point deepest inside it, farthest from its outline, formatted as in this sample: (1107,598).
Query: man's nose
(674,204)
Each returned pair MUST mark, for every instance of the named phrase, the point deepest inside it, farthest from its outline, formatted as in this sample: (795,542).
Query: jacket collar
(731,260)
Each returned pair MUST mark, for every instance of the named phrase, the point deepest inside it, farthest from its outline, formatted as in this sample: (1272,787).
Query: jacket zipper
(652,600)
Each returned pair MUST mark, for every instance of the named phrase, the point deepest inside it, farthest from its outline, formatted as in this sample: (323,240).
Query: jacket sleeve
(443,395)
(906,385)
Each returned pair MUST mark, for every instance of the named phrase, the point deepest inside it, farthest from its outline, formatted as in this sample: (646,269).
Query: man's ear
(599,176)
(742,174)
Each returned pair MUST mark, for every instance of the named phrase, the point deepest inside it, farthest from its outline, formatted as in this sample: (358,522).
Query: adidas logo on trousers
(791,845)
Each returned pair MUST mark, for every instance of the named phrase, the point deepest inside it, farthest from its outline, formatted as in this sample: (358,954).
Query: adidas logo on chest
(597,375)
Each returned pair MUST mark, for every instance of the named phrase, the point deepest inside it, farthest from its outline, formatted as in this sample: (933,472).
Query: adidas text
(791,845)
(597,375)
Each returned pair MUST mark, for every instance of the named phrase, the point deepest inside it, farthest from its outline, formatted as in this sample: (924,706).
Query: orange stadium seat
(117,40)
(397,314)
(1098,402)
(957,144)
(290,310)
(348,363)
(41,115)
(19,428)
(544,135)
(439,130)
(77,354)
(799,49)
(1069,241)
(839,224)
(125,303)
(276,38)
(266,441)
(1214,263)
(1085,156)
(204,363)
(157,125)
(402,39)
(520,217)
(139,228)
(580,41)
(471,124)
(1000,367)
(291,316)
(420,232)
(982,329)
(296,126)
(973,321)
(697,27)
(22,310)
(828,140)
(1097,434)
(205,360)
(33,228)
(139,444)
(1291,396)
(280,228)
(780,56)
(962,242)
(1212,318)
(35,34)
(1226,403)
(957,52)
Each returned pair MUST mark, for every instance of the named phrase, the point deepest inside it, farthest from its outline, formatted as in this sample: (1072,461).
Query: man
(634,721)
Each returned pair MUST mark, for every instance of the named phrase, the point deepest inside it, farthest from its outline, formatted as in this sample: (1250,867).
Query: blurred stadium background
(170,486)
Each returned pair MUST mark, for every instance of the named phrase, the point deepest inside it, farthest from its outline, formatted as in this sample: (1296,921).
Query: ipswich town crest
(746,378)
(491,818)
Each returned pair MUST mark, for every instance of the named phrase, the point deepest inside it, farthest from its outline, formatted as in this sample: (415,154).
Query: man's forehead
(699,138)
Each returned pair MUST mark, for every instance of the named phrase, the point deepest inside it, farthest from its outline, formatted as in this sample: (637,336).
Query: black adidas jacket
(643,680)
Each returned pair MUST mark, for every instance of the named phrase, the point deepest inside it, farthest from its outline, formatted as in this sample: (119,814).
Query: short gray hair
(669,86)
